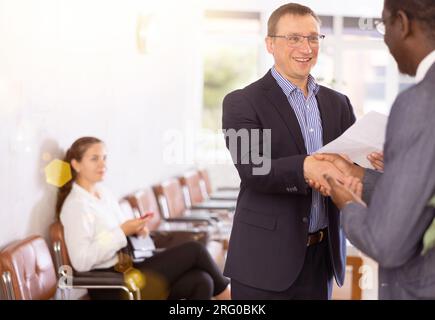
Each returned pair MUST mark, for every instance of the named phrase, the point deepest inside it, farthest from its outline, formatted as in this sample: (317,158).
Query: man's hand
(314,169)
(377,160)
(343,163)
(343,193)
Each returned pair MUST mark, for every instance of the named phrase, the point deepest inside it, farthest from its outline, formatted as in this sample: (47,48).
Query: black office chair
(84,280)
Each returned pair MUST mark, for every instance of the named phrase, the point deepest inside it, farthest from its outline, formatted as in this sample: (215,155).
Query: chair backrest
(30,268)
(2,287)
(172,193)
(351,289)
(128,209)
(58,244)
(145,201)
(203,173)
(192,181)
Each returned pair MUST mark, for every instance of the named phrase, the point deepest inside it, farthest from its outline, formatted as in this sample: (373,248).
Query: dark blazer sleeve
(348,117)
(285,174)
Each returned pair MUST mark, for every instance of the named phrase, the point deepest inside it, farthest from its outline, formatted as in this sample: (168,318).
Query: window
(355,61)
(231,59)
(327,24)
(364,72)
(360,27)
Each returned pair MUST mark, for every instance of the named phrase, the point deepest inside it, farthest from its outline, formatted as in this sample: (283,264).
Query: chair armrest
(191,219)
(167,239)
(213,206)
(158,250)
(100,281)
(97,274)
(236,189)
(219,197)
(224,195)
(202,213)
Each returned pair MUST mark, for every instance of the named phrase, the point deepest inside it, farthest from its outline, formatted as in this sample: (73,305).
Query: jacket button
(305,220)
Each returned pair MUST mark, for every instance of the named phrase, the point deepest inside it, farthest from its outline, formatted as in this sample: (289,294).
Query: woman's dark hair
(76,151)
(420,10)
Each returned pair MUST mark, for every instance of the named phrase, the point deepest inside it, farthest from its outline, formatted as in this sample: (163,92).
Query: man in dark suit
(390,227)
(286,241)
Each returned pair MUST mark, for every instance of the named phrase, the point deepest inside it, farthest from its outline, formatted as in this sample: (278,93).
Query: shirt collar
(424,66)
(85,193)
(288,87)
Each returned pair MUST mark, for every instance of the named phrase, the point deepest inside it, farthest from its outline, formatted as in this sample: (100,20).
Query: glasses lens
(380,27)
(314,39)
(294,40)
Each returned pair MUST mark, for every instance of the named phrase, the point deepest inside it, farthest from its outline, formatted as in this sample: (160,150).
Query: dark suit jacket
(268,240)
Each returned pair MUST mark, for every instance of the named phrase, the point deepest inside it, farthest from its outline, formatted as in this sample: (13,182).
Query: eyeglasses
(380,25)
(295,40)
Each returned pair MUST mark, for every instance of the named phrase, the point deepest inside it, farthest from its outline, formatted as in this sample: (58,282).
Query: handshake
(337,176)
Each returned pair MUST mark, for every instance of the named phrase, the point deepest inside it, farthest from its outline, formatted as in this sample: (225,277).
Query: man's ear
(269,44)
(404,24)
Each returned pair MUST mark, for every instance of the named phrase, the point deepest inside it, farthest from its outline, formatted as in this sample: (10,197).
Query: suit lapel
(281,104)
(327,116)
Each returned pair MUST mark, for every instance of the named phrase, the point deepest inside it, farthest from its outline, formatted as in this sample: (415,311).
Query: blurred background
(148,77)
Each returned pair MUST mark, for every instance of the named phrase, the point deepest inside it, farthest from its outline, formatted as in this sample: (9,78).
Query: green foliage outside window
(225,70)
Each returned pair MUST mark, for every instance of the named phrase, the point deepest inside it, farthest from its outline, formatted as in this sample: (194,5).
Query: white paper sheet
(365,136)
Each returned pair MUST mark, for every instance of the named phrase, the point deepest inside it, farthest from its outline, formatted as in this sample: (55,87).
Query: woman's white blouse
(92,227)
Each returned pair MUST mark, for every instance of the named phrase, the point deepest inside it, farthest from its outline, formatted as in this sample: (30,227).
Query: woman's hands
(136,226)
(133,226)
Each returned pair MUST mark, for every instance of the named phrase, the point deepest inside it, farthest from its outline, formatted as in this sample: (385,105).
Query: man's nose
(305,46)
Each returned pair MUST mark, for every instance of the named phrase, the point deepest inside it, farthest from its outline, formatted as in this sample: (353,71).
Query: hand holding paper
(341,163)
(377,160)
(358,144)
(364,137)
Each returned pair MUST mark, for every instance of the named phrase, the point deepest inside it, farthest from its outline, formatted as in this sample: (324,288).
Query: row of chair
(28,273)
(185,209)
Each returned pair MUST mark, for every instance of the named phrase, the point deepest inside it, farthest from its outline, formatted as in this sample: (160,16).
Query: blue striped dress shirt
(308,115)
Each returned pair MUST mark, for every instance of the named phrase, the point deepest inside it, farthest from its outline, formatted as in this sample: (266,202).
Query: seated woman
(96,229)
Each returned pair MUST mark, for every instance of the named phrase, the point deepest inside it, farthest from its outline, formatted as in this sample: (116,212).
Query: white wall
(72,68)
(368,8)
